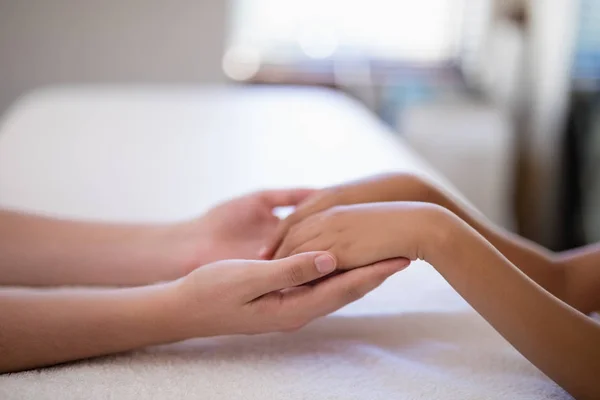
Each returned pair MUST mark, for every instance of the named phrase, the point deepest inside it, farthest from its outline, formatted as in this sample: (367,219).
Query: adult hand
(248,297)
(237,228)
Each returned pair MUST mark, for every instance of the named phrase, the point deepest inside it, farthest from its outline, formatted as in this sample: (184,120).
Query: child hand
(380,188)
(366,233)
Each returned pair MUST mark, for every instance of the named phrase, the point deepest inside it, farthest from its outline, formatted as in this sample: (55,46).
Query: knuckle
(297,235)
(344,245)
(320,218)
(321,221)
(304,248)
(310,223)
(295,275)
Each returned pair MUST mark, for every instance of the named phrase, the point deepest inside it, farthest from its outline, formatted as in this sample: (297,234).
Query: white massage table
(156,154)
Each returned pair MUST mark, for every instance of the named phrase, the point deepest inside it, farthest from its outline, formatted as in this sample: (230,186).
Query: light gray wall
(45,42)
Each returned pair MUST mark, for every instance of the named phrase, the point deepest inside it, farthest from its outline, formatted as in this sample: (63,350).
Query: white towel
(413,338)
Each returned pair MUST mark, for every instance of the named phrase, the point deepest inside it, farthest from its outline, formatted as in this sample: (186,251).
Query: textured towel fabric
(412,338)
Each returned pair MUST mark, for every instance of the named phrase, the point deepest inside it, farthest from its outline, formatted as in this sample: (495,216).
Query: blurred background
(482,89)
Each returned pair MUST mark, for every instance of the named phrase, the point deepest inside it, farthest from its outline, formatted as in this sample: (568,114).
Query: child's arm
(559,340)
(582,277)
(36,250)
(41,327)
(538,263)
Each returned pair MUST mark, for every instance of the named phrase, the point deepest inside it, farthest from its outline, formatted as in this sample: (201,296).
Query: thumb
(294,271)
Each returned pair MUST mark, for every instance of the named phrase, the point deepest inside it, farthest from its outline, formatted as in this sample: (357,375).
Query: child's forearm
(46,327)
(535,261)
(560,341)
(36,250)
(582,273)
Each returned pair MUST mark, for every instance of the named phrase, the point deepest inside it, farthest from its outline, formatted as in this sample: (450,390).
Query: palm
(240,227)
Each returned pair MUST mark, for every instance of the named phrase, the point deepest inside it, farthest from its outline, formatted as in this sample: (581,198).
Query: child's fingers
(282,251)
(309,245)
(279,198)
(268,251)
(300,234)
(290,242)
(311,205)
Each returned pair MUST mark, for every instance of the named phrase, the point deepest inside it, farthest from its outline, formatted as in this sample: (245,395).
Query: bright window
(289,31)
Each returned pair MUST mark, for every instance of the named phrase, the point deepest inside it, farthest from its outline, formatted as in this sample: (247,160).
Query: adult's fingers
(293,271)
(334,293)
(285,197)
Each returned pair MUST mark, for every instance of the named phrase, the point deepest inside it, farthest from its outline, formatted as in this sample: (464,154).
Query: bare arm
(582,277)
(39,251)
(559,340)
(537,262)
(40,327)
(540,264)
(35,251)
(572,276)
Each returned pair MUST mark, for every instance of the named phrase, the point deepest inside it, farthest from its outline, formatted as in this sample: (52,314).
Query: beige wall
(44,42)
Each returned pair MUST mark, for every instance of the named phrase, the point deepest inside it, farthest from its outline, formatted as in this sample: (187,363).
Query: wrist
(163,313)
(412,187)
(194,306)
(442,232)
(190,246)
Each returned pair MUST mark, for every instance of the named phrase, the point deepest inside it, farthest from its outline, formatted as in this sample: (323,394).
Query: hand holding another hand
(235,229)
(379,188)
(248,297)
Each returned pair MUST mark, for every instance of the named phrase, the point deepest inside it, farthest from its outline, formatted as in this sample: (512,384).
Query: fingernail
(325,264)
